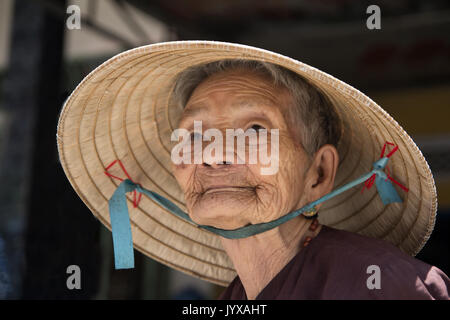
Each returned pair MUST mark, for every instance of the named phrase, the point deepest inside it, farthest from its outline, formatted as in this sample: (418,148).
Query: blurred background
(45,227)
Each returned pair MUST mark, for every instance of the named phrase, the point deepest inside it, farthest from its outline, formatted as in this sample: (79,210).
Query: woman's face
(229,196)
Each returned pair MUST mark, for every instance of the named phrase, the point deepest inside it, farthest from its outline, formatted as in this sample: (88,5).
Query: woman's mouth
(223,188)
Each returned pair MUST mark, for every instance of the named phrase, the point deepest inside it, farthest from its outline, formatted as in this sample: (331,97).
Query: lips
(223,188)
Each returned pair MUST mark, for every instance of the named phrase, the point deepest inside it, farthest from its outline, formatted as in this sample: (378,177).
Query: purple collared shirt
(337,265)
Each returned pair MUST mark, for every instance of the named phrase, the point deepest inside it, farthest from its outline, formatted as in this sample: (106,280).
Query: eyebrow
(193,112)
(241,104)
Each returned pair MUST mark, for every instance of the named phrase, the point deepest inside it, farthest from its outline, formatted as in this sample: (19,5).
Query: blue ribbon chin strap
(120,221)
(121,227)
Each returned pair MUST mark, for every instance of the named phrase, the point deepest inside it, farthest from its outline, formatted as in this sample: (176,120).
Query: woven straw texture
(124,110)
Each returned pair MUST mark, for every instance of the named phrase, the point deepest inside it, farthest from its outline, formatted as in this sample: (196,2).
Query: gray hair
(311,109)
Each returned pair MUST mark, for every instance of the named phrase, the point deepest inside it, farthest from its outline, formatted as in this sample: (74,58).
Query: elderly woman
(264,227)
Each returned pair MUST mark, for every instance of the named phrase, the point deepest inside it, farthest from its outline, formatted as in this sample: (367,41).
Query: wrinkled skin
(230,196)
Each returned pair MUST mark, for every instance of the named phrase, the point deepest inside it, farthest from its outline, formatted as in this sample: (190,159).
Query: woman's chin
(218,216)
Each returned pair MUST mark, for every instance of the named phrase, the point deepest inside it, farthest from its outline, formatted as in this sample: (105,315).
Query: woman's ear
(321,174)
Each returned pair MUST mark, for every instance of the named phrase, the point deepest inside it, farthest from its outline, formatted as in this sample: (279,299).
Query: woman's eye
(196,136)
(257,127)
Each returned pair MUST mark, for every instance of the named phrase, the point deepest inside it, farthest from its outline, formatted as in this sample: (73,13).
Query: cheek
(182,174)
(293,164)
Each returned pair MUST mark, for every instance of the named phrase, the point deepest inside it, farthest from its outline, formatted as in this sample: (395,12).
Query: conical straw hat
(124,110)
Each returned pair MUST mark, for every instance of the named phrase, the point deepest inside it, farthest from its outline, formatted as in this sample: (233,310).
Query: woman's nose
(226,158)
(216,164)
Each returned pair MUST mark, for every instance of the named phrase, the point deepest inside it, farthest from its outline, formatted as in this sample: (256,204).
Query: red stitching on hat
(135,201)
(396,182)
(369,182)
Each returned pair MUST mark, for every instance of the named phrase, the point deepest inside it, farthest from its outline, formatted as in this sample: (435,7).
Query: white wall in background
(85,43)
(88,43)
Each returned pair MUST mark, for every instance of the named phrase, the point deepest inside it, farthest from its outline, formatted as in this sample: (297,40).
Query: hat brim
(124,110)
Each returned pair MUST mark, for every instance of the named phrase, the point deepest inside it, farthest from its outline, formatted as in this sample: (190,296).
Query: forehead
(239,83)
(238,88)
